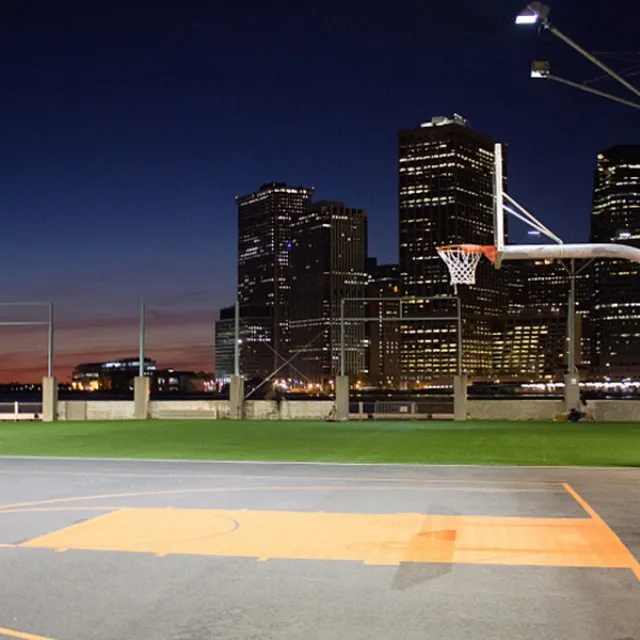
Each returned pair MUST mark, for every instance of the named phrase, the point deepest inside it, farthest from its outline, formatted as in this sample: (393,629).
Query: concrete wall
(513,409)
(306,409)
(168,409)
(106,410)
(615,410)
(95,410)
(601,410)
(261,410)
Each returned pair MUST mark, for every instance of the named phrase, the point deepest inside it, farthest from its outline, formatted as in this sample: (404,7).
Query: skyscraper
(224,344)
(446,197)
(265,220)
(383,336)
(531,342)
(616,300)
(329,264)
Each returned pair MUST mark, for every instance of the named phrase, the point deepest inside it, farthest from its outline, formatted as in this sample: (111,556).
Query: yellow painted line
(593,514)
(138,494)
(375,539)
(21,634)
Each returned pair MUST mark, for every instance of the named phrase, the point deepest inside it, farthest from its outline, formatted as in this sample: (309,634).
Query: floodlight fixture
(540,69)
(533,13)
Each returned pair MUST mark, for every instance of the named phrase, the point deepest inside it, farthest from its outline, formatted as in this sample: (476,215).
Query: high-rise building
(383,335)
(616,298)
(530,345)
(265,220)
(224,344)
(254,336)
(446,197)
(329,265)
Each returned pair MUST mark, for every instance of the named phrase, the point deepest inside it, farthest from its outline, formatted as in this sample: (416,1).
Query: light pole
(49,384)
(571,314)
(237,340)
(538,13)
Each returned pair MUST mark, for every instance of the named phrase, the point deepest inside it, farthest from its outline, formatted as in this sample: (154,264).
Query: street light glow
(532,13)
(540,69)
(527,17)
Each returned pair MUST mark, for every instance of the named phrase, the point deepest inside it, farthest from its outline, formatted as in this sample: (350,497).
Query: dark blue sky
(128,127)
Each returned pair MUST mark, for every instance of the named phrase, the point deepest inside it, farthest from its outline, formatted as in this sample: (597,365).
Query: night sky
(128,127)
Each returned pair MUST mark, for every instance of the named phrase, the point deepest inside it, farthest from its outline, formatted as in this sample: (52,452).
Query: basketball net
(462,260)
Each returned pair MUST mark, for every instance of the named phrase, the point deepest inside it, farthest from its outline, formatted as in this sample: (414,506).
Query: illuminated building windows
(615,312)
(446,197)
(328,265)
(264,272)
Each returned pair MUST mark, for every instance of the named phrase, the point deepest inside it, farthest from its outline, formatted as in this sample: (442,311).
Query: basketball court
(124,549)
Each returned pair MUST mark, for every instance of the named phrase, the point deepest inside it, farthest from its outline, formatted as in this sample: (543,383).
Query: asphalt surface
(111,595)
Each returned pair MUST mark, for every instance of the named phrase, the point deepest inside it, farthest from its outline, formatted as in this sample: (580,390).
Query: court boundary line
(318,463)
(21,635)
(634,565)
(133,474)
(204,490)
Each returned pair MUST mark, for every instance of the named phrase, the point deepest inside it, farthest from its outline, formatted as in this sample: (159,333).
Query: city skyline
(126,158)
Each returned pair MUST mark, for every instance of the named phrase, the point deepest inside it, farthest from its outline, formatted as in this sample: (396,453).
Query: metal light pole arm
(589,56)
(597,92)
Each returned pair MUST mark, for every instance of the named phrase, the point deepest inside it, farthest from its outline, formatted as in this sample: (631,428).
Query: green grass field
(509,443)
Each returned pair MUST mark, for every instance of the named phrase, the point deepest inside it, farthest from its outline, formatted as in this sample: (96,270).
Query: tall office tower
(531,344)
(446,197)
(265,220)
(616,296)
(383,335)
(329,265)
(224,344)
(255,332)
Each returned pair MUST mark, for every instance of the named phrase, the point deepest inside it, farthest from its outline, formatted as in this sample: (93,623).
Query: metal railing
(425,409)
(13,411)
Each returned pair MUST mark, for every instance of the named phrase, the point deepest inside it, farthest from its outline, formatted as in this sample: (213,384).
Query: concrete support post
(49,399)
(141,394)
(460,397)
(571,391)
(236,398)
(342,397)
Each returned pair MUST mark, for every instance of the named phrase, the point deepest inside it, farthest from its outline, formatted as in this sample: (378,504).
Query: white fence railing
(423,409)
(14,411)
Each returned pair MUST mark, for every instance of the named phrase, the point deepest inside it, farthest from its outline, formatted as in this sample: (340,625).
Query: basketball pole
(236,386)
(236,339)
(141,383)
(141,341)
(498,214)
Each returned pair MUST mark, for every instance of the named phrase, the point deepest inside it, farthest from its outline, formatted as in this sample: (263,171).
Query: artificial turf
(484,443)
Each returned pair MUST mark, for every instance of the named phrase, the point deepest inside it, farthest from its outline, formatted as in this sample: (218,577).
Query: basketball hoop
(462,260)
